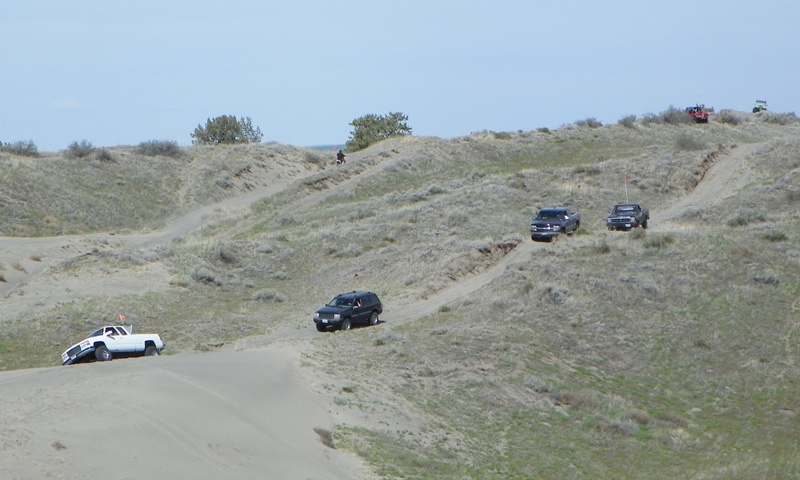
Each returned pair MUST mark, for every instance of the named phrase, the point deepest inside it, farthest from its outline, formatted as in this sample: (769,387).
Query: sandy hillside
(250,411)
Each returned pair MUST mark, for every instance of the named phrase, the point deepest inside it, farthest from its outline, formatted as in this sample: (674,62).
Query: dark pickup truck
(551,222)
(626,216)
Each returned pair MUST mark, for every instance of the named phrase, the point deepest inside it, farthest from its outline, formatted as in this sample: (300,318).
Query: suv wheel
(373,319)
(346,324)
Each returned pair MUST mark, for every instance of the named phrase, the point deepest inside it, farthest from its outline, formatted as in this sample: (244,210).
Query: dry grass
(605,355)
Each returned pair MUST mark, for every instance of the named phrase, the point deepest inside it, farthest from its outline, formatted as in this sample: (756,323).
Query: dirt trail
(728,175)
(27,262)
(724,178)
(247,414)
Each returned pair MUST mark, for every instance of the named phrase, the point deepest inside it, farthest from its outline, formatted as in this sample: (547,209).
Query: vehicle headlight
(336,316)
(316,316)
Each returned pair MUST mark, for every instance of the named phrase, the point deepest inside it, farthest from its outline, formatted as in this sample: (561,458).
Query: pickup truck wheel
(102,354)
(644,224)
(151,351)
(373,319)
(346,324)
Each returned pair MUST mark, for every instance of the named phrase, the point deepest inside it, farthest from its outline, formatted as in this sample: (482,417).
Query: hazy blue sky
(120,73)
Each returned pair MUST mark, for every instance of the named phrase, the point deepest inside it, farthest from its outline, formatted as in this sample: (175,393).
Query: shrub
(766,279)
(24,148)
(590,122)
(743,219)
(104,155)
(313,157)
(729,117)
(674,116)
(578,401)
(775,236)
(543,130)
(537,385)
(226,129)
(628,121)
(325,436)
(205,276)
(163,148)
(737,221)
(81,149)
(660,241)
(588,170)
(778,118)
(638,234)
(501,135)
(602,249)
(267,296)
(650,117)
(686,141)
(703,344)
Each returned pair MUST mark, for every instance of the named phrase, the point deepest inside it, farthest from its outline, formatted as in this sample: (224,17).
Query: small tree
(372,128)
(226,129)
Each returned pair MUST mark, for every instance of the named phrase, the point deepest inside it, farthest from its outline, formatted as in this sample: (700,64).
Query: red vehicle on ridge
(698,112)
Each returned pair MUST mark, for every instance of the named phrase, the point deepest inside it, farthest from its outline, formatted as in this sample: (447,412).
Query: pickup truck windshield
(624,210)
(550,216)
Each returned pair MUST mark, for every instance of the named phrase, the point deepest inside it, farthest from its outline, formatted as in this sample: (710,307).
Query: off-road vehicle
(698,113)
(551,222)
(113,341)
(626,216)
(348,309)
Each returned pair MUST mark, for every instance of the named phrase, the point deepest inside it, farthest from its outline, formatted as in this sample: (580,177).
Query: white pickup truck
(113,341)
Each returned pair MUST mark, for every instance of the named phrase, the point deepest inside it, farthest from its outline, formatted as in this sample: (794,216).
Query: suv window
(370,300)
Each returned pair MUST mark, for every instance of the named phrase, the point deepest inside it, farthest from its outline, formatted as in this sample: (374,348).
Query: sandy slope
(227,415)
(244,413)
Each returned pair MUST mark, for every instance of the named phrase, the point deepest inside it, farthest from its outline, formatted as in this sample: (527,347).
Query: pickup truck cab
(549,223)
(626,216)
(113,341)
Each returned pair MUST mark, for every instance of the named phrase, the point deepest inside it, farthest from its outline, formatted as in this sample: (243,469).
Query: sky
(122,73)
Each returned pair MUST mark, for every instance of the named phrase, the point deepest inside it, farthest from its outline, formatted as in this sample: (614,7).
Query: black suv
(348,309)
